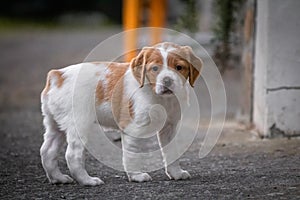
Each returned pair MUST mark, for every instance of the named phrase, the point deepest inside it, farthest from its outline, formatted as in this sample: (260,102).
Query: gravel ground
(240,166)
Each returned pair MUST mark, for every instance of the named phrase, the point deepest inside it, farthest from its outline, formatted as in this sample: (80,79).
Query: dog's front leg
(132,160)
(172,169)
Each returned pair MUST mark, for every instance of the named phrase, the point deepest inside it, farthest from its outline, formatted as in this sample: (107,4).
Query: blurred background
(37,35)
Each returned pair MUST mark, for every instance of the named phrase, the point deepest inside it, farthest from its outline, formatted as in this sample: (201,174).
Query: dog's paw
(139,177)
(64,179)
(179,175)
(91,181)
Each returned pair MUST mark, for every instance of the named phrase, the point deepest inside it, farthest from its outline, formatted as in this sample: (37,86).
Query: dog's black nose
(167,81)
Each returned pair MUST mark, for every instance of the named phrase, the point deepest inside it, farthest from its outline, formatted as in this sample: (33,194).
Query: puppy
(124,95)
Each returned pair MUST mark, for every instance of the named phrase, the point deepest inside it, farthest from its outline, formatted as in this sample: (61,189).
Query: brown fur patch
(174,59)
(126,113)
(113,92)
(117,71)
(99,93)
(59,80)
(141,65)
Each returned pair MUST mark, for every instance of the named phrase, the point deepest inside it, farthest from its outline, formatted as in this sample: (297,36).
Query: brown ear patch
(190,64)
(195,64)
(138,64)
(59,80)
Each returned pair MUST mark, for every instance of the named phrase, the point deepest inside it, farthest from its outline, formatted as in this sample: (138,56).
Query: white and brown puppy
(160,71)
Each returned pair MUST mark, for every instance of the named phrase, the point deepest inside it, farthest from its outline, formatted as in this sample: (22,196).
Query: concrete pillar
(276,106)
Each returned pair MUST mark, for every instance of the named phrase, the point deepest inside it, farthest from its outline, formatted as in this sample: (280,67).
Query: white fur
(57,112)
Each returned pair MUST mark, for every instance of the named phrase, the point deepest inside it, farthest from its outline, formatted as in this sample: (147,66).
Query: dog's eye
(155,68)
(178,67)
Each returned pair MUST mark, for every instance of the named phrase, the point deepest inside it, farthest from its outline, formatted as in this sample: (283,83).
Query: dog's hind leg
(75,156)
(53,142)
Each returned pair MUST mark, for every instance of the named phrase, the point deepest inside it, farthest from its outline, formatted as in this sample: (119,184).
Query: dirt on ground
(241,165)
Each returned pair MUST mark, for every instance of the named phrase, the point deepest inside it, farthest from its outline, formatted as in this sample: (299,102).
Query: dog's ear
(195,64)
(138,66)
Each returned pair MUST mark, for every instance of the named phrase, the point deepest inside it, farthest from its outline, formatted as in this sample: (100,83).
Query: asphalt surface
(241,165)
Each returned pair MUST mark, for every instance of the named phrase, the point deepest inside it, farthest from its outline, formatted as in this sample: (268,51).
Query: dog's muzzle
(167,85)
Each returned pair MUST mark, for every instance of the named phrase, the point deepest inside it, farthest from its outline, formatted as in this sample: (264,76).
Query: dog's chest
(141,115)
(172,108)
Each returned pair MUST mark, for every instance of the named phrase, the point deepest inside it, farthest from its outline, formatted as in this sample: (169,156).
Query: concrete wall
(276,106)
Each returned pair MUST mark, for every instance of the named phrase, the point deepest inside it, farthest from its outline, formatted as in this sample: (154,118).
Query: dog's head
(166,67)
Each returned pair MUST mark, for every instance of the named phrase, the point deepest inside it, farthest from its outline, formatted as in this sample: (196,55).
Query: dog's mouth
(165,91)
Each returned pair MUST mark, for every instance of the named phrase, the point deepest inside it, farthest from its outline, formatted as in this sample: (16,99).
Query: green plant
(189,20)
(227,14)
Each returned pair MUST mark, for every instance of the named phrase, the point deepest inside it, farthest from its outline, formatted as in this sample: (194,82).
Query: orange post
(131,18)
(157,17)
